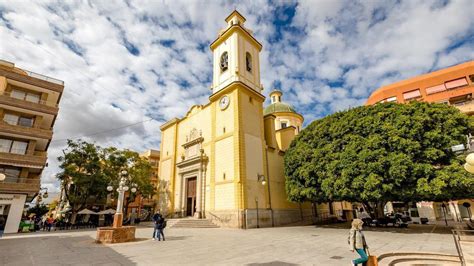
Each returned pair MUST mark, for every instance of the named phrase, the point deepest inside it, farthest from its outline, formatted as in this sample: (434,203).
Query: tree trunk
(380,209)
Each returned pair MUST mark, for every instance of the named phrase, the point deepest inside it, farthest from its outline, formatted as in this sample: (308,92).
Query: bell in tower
(236,56)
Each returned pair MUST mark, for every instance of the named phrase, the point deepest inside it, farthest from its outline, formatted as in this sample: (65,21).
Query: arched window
(224,61)
(248,61)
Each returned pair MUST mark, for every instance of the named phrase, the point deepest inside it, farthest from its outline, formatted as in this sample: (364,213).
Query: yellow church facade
(223,161)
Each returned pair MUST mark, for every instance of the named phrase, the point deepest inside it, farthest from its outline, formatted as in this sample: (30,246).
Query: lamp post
(121,189)
(261,179)
(469,165)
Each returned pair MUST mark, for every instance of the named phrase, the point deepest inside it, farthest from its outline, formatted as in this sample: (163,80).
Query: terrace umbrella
(108,211)
(87,211)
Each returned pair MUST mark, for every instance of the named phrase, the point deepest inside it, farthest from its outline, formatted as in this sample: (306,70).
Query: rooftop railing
(43,77)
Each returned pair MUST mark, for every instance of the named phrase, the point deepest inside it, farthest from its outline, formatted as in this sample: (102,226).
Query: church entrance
(190,196)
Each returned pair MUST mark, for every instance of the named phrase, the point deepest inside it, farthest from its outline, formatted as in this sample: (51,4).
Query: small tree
(38,210)
(139,171)
(375,154)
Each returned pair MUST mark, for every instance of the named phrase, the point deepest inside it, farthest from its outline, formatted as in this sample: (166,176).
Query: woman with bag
(357,241)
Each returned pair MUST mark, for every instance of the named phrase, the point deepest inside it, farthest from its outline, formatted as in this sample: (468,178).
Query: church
(223,161)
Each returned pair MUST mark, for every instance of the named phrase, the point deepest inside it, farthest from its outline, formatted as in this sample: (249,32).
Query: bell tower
(236,55)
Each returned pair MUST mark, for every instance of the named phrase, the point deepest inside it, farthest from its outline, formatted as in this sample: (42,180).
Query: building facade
(28,110)
(224,160)
(453,86)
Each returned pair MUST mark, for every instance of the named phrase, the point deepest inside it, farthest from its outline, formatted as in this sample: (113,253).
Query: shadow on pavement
(412,228)
(275,263)
(58,250)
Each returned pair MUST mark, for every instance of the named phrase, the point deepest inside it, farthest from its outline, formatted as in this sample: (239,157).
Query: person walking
(161,227)
(156,222)
(357,242)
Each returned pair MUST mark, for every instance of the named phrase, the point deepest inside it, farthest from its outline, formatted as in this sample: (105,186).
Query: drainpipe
(269,191)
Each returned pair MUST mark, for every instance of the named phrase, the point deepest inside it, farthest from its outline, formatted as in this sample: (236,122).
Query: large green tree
(82,176)
(385,152)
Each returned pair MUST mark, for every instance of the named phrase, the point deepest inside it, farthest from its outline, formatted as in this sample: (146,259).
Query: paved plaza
(306,245)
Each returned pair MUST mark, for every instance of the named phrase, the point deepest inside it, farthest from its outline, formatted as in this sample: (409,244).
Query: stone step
(416,258)
(191,223)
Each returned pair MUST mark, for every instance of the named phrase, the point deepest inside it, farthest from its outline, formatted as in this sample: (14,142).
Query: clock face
(224,102)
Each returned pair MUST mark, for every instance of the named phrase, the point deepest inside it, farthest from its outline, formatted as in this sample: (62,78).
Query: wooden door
(190,196)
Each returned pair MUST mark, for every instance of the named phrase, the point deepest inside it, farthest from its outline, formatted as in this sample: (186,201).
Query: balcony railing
(16,158)
(465,107)
(43,102)
(41,106)
(12,184)
(33,131)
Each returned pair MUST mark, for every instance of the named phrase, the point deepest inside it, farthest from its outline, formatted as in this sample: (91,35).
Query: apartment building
(28,110)
(454,86)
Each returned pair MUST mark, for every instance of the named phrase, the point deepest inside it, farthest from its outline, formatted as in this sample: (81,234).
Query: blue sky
(129,61)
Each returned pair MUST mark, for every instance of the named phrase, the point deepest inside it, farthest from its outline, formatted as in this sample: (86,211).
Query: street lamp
(42,195)
(261,179)
(2,176)
(122,188)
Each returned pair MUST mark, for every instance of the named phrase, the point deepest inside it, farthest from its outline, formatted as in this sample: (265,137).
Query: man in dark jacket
(156,222)
(161,226)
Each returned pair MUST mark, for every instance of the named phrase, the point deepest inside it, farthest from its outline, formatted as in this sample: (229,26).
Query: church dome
(279,107)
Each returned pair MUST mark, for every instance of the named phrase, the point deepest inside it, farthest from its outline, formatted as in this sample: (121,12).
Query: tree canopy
(385,152)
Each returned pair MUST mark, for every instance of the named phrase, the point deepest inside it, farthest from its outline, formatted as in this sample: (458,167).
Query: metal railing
(457,241)
(42,102)
(43,77)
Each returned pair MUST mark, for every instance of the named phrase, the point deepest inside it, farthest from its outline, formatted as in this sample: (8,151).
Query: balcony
(33,132)
(466,107)
(20,185)
(37,160)
(41,106)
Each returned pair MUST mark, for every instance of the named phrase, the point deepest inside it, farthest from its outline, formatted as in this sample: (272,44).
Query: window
(284,125)
(12,173)
(18,94)
(248,62)
(35,98)
(456,83)
(435,89)
(25,122)
(471,77)
(19,147)
(388,100)
(28,96)
(250,100)
(392,99)
(224,62)
(11,119)
(411,94)
(5,145)
(13,146)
